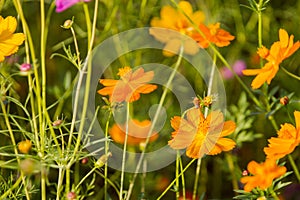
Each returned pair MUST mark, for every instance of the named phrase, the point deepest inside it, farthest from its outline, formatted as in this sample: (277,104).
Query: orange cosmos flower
(263,174)
(278,52)
(213,34)
(202,135)
(130,85)
(174,19)
(137,132)
(288,139)
(9,42)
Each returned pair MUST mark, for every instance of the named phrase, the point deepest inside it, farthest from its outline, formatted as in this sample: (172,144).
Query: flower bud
(284,100)
(103,159)
(84,161)
(71,196)
(24,146)
(196,102)
(57,123)
(67,24)
(245,173)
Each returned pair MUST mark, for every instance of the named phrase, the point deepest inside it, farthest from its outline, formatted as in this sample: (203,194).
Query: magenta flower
(238,67)
(62,5)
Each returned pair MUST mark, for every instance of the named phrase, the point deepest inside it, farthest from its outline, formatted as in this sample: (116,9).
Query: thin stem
(290,74)
(106,153)
(87,67)
(76,46)
(182,180)
(59,182)
(196,178)
(176,175)
(124,152)
(230,162)
(85,177)
(43,68)
(294,166)
(171,184)
(162,99)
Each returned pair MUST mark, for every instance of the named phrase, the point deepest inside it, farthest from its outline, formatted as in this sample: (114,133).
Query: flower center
(123,71)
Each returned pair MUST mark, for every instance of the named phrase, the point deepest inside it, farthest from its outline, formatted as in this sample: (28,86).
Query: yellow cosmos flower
(9,42)
(288,139)
(263,174)
(202,135)
(278,52)
(174,19)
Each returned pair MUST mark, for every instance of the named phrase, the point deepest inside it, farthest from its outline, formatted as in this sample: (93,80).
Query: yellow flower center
(123,71)
(214,28)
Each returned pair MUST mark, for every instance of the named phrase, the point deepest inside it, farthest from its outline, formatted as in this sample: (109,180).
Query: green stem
(124,152)
(182,180)
(176,175)
(230,162)
(106,153)
(196,178)
(171,184)
(274,195)
(290,74)
(87,67)
(294,166)
(85,177)
(162,99)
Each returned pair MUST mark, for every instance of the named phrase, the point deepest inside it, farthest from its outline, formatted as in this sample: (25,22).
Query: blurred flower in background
(9,41)
(262,174)
(237,67)
(137,132)
(62,5)
(174,19)
(212,34)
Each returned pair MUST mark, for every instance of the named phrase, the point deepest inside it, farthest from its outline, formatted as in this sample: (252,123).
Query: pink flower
(238,67)
(62,5)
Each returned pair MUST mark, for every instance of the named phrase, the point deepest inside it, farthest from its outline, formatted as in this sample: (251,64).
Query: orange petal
(283,37)
(228,128)
(108,82)
(251,72)
(297,119)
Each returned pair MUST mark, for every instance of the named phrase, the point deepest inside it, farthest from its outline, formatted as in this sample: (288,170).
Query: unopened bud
(103,159)
(84,160)
(245,173)
(57,123)
(24,146)
(196,102)
(71,196)
(284,100)
(67,24)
